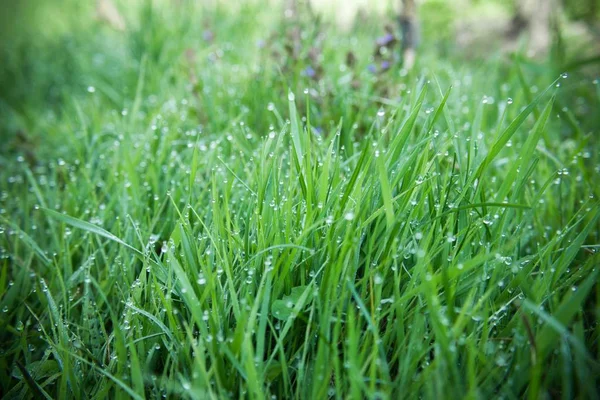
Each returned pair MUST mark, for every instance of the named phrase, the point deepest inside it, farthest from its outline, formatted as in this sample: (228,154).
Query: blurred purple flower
(208,35)
(372,68)
(385,65)
(385,39)
(309,71)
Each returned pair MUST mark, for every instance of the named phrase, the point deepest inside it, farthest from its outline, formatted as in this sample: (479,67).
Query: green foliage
(193,217)
(438,20)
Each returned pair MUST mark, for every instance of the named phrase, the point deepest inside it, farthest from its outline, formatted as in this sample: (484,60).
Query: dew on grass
(501,360)
(91,89)
(349,216)
(291,96)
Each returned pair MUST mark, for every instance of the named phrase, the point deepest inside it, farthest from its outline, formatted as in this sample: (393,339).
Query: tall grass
(204,227)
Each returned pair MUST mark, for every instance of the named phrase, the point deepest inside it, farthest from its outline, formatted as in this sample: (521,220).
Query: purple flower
(309,71)
(208,35)
(385,65)
(385,39)
(372,68)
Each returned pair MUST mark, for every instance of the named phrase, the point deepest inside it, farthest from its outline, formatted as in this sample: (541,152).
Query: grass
(202,226)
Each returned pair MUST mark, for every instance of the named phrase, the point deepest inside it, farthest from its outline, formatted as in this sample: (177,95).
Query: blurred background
(48,47)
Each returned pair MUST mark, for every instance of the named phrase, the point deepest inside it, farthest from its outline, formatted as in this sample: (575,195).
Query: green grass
(207,228)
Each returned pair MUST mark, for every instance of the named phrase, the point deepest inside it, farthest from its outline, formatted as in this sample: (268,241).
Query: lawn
(222,202)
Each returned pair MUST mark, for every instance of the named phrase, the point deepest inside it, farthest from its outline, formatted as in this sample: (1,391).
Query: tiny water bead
(487,100)
(378,279)
(291,96)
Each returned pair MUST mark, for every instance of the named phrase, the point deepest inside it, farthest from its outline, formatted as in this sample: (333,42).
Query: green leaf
(86,226)
(39,369)
(282,308)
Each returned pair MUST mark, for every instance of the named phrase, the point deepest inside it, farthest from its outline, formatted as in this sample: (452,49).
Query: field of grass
(223,203)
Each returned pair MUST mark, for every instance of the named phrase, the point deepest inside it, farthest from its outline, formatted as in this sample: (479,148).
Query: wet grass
(197,210)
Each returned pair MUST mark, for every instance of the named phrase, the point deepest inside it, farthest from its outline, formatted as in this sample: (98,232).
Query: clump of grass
(227,235)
